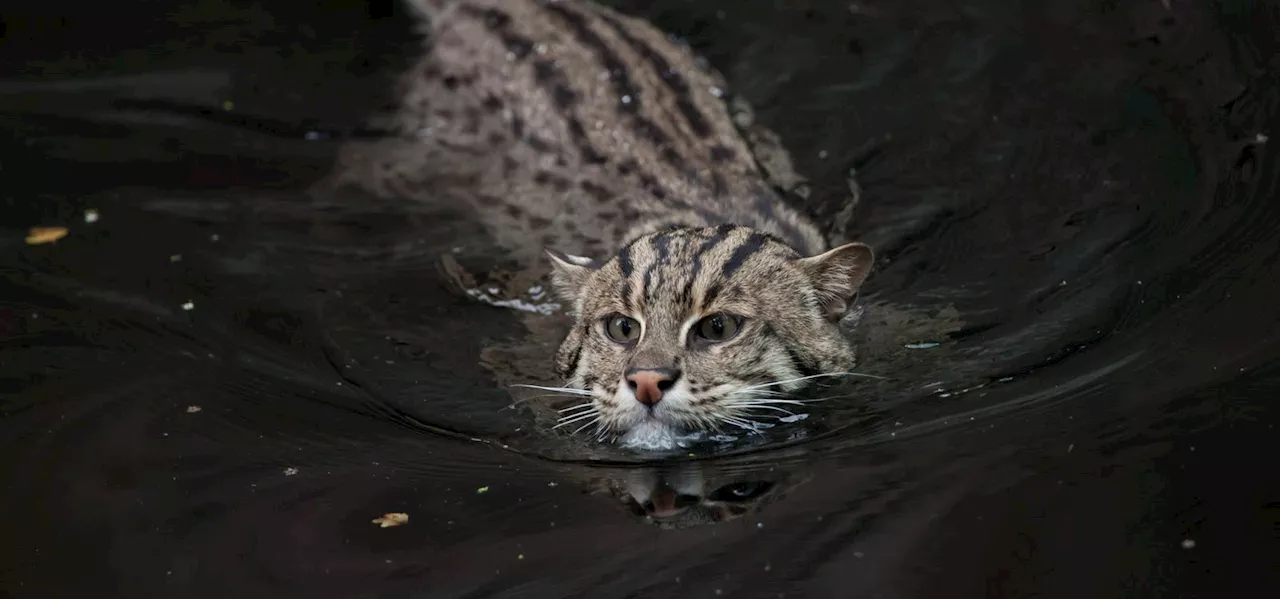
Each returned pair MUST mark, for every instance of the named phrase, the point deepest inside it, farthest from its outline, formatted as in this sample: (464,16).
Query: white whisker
(710,422)
(575,418)
(760,401)
(829,398)
(739,422)
(755,426)
(759,407)
(581,406)
(524,400)
(812,376)
(603,432)
(596,420)
(565,390)
(758,389)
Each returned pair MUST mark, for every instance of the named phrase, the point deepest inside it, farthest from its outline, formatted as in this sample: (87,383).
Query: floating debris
(189,306)
(391,519)
(547,309)
(290,471)
(175,258)
(482,490)
(39,235)
(1188,543)
(228,105)
(921,345)
(193,409)
(91,216)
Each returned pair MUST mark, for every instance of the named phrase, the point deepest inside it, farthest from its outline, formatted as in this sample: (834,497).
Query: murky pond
(216,380)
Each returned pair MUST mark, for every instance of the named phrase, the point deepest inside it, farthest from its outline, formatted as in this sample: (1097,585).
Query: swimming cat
(701,297)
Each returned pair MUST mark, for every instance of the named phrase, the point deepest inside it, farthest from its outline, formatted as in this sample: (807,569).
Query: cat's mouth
(661,431)
(654,433)
(662,426)
(679,420)
(656,425)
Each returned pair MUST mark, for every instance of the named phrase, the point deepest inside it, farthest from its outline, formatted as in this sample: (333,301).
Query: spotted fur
(564,124)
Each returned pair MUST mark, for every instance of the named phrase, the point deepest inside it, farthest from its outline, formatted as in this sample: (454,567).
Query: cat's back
(602,88)
(568,124)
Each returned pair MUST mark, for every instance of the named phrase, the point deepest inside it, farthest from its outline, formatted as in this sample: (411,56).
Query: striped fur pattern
(563,124)
(788,307)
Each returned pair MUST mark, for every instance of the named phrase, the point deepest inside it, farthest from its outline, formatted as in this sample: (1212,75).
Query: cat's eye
(621,328)
(742,491)
(718,327)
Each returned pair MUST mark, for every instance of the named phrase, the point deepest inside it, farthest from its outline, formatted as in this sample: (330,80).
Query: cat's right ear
(837,275)
(569,273)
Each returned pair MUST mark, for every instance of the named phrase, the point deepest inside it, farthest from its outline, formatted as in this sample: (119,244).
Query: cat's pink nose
(650,384)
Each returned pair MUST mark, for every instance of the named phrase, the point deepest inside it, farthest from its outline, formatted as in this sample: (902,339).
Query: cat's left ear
(837,275)
(569,273)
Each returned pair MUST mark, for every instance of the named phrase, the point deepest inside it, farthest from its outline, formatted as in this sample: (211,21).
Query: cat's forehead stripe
(662,252)
(624,261)
(679,270)
(748,248)
(720,234)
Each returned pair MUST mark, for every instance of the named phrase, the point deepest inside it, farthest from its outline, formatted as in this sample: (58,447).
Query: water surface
(215,386)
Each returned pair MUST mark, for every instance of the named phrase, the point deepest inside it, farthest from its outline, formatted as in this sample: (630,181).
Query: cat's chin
(652,434)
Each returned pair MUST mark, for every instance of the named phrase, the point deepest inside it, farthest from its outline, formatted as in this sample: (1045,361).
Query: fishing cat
(701,298)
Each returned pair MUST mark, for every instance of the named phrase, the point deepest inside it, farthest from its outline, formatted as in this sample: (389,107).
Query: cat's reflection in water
(694,493)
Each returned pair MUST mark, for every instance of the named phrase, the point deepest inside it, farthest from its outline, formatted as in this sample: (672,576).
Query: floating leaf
(39,235)
(391,519)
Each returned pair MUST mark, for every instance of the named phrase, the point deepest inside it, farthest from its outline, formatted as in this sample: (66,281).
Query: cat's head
(694,329)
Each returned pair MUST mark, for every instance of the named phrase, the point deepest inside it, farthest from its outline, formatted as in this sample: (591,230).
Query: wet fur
(567,125)
(668,281)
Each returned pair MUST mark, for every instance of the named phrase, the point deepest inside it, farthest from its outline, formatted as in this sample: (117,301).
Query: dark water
(212,390)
